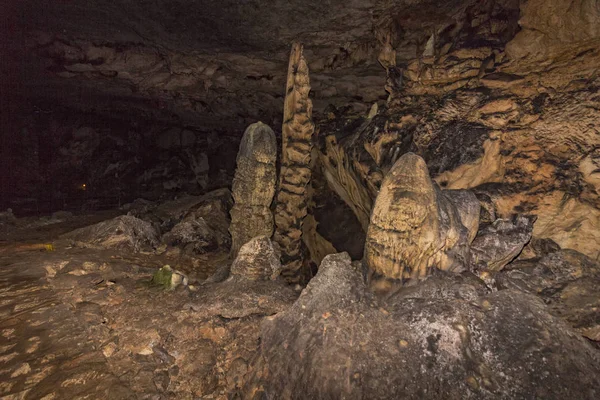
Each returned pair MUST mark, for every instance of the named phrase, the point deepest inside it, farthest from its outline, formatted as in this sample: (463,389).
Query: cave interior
(300,199)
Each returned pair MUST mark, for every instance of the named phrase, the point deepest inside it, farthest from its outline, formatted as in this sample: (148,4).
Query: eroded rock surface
(567,281)
(414,227)
(257,260)
(124,232)
(295,173)
(513,120)
(338,341)
(253,186)
(501,242)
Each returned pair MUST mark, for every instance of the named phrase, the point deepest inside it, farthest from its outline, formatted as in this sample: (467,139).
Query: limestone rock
(414,227)
(567,281)
(500,243)
(337,341)
(253,186)
(124,232)
(194,232)
(257,260)
(549,25)
(214,208)
(538,248)
(295,174)
(239,298)
(468,208)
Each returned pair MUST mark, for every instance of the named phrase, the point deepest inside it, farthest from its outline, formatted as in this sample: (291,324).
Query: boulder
(567,281)
(501,242)
(195,232)
(445,338)
(124,232)
(257,260)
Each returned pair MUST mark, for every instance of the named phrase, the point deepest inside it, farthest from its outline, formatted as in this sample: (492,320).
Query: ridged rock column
(295,171)
(253,186)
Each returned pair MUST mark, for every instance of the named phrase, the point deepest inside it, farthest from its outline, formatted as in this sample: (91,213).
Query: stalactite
(295,174)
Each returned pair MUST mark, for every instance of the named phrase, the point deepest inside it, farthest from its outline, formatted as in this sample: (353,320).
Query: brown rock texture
(567,281)
(548,26)
(414,227)
(518,127)
(253,186)
(295,172)
(501,242)
(257,260)
(445,338)
(123,232)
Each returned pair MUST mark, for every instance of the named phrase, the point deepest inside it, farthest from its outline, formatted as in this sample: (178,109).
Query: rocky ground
(87,322)
(85,316)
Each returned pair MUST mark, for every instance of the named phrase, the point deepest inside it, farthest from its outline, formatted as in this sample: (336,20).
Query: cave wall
(515,120)
(60,158)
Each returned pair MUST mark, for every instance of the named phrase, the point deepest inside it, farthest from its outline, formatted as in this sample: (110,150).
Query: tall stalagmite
(253,186)
(295,172)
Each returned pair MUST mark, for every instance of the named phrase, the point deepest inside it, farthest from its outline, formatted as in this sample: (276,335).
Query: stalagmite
(414,226)
(253,186)
(295,171)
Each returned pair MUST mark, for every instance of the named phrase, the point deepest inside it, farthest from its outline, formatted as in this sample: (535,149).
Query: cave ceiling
(207,63)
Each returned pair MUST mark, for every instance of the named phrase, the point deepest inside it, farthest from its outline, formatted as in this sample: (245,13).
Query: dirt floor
(81,323)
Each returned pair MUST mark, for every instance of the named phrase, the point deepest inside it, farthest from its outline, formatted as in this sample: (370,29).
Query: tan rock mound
(257,260)
(124,232)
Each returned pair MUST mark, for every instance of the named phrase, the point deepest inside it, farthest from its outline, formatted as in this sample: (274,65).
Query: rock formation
(193,235)
(459,139)
(253,186)
(257,260)
(567,281)
(295,173)
(501,242)
(446,338)
(125,232)
(513,119)
(414,227)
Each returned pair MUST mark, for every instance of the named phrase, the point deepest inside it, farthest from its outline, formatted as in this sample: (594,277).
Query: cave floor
(79,323)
